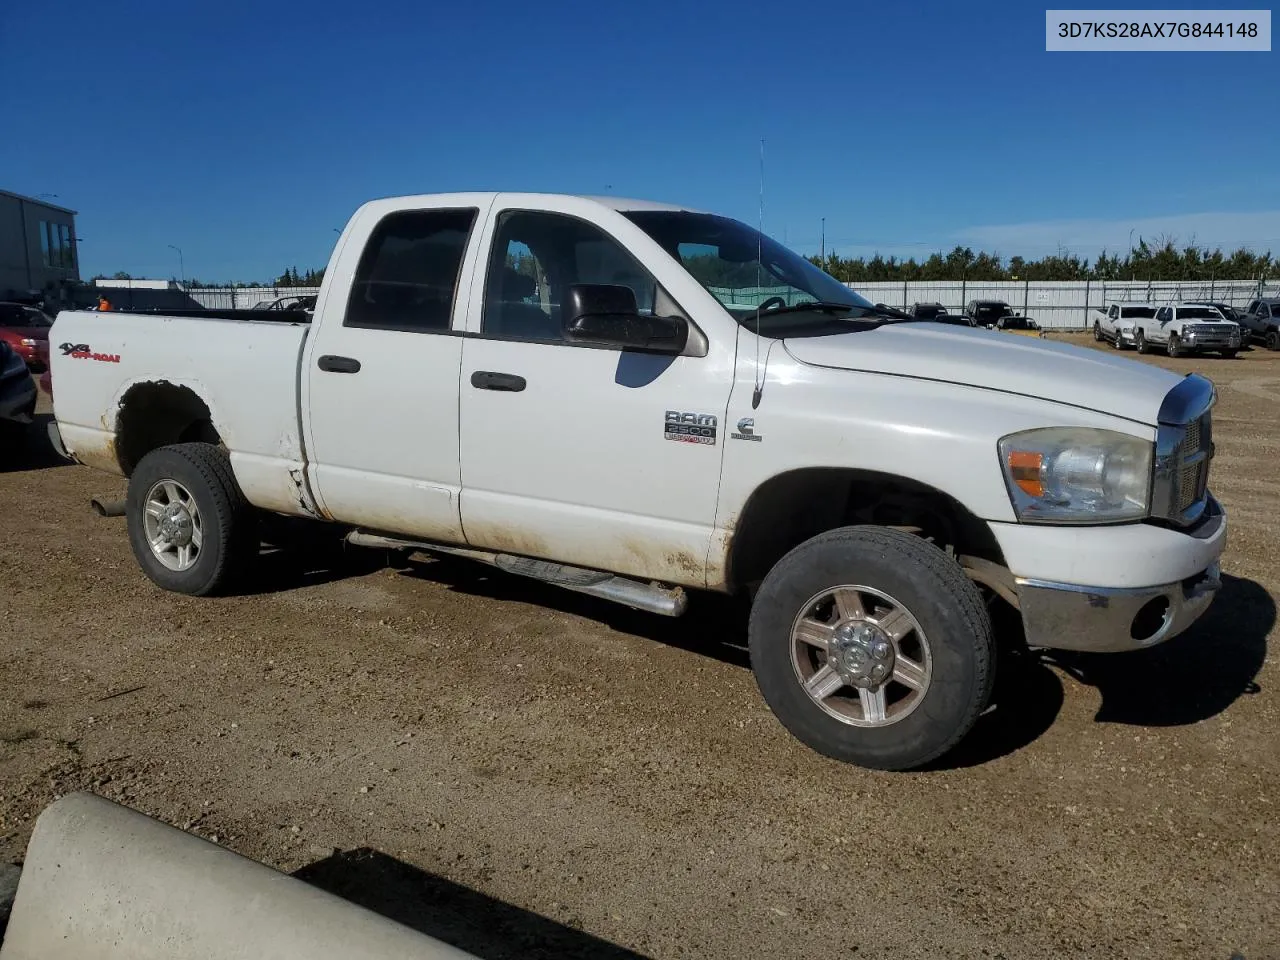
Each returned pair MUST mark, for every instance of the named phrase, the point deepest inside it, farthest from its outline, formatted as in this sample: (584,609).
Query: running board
(650,597)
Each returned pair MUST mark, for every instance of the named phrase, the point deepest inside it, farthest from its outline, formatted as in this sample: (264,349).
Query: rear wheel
(1174,347)
(191,529)
(871,646)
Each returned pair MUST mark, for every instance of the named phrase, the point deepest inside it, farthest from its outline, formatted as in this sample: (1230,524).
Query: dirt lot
(527,772)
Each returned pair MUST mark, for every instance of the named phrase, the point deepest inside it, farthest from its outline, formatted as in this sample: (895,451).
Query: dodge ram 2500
(634,400)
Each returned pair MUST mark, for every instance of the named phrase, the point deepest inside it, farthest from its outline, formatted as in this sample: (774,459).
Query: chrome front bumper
(1067,616)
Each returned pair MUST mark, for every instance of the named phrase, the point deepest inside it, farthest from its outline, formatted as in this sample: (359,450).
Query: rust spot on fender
(99,456)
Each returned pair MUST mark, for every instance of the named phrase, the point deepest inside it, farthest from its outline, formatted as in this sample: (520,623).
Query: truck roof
(479,197)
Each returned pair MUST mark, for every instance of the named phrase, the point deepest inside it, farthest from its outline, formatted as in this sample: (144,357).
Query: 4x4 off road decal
(81,351)
(690,427)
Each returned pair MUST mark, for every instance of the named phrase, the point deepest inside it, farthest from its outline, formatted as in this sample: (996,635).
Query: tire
(1097,331)
(1273,340)
(227,539)
(1117,342)
(950,635)
(1140,342)
(1174,346)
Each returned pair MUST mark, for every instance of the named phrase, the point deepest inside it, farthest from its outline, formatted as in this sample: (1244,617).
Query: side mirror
(606,314)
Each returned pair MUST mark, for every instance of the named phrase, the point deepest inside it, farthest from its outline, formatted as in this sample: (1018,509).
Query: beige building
(38,256)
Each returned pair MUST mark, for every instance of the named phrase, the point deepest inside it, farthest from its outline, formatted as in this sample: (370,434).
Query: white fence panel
(1060,305)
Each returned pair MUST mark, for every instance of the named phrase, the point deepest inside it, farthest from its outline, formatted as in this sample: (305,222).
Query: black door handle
(487,380)
(332,364)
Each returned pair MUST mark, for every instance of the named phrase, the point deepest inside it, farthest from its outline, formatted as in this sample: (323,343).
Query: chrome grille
(1191,440)
(1188,484)
(1184,447)
(1184,471)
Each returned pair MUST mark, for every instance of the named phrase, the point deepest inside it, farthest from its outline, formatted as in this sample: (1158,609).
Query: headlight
(1076,475)
(28,342)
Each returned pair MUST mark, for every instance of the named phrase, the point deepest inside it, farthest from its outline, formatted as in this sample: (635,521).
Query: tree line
(1161,260)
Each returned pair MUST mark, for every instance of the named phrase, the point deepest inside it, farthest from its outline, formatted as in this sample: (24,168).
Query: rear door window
(408,274)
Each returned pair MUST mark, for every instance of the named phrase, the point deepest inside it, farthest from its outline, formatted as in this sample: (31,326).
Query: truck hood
(989,360)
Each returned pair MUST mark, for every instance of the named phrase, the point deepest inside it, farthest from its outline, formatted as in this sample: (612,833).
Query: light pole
(182,268)
(1129,254)
(824,243)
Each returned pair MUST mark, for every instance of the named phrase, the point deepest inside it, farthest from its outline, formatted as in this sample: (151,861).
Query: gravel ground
(527,772)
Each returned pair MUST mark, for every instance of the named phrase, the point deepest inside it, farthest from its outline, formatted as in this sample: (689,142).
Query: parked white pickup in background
(1118,322)
(1183,328)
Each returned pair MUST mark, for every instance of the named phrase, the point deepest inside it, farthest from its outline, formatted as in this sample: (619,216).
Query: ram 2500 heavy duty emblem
(690,427)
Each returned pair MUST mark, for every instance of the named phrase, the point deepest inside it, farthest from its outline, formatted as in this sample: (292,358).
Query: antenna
(759,387)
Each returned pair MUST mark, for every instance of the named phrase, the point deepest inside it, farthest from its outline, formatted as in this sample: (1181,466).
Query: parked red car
(26,330)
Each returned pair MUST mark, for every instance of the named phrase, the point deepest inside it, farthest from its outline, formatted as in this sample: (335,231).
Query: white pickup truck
(613,396)
(1118,323)
(1183,328)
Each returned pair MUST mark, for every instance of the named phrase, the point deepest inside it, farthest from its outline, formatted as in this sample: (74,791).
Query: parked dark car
(307,303)
(998,315)
(1227,310)
(937,313)
(1261,321)
(26,330)
(17,389)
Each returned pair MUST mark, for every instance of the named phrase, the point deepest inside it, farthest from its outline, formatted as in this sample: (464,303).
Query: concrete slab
(102,882)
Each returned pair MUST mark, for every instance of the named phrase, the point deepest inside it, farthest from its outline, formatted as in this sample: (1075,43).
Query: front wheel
(871,646)
(1140,342)
(1097,331)
(1174,347)
(1117,342)
(190,527)
(1273,340)
(1228,354)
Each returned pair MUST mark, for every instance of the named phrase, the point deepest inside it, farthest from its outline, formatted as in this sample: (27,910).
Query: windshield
(1199,313)
(747,271)
(1138,312)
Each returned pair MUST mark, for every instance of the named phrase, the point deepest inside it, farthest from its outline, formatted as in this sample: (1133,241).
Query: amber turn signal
(1024,468)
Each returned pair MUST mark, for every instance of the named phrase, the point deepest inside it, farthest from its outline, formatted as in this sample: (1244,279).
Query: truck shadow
(1192,677)
(1186,680)
(460,916)
(297,553)
(27,446)
(715,626)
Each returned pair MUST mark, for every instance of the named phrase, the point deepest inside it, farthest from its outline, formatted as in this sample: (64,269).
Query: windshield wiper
(818,306)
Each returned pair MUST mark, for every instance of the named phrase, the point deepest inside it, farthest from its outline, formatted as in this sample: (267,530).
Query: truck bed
(237,368)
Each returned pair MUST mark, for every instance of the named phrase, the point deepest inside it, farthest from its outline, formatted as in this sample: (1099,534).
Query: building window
(64,236)
(55,245)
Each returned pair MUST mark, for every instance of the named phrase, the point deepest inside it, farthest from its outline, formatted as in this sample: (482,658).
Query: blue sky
(245,132)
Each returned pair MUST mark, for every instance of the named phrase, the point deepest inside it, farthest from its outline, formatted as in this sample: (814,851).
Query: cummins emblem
(690,427)
(746,430)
